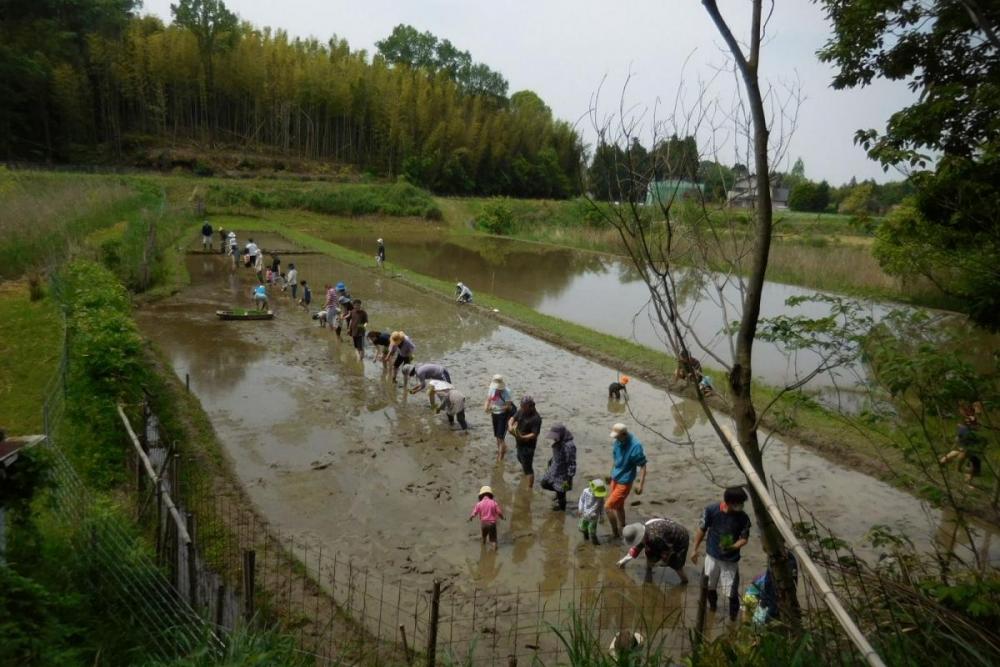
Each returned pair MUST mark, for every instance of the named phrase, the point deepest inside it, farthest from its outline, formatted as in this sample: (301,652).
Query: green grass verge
(31,339)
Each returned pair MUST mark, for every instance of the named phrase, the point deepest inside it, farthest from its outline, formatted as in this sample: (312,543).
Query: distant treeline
(89,79)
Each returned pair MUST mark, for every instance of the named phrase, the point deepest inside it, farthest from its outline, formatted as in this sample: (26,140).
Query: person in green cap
(591,508)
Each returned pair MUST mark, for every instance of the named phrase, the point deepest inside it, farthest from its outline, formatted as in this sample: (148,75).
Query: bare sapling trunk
(741,375)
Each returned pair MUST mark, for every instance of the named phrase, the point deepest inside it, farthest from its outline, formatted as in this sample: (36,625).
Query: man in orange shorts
(629,460)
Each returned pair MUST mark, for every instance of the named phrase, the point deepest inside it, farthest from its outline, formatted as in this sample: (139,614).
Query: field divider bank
(800,421)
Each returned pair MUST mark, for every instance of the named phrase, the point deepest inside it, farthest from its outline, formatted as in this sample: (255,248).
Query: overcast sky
(562,49)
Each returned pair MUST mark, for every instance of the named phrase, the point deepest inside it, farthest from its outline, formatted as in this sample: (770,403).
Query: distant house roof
(674,188)
(744,193)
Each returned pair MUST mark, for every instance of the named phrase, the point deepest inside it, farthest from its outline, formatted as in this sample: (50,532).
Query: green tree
(213,26)
(949,53)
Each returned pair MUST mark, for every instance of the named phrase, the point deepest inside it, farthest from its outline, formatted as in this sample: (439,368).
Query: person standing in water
(380,253)
(628,459)
(206,236)
(525,426)
(356,322)
(488,511)
(727,529)
(499,406)
(292,280)
(562,466)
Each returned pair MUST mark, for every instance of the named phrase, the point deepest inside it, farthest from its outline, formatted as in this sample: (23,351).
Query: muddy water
(605,293)
(394,485)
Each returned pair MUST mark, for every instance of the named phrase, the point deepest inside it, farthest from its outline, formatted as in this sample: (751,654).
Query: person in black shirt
(525,426)
(380,341)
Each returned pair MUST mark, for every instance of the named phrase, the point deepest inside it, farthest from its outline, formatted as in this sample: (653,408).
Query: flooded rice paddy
(605,293)
(333,453)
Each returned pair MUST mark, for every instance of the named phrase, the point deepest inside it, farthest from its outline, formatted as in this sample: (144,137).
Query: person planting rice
(616,389)
(688,368)
(330,305)
(423,373)
(488,510)
(380,341)
(452,401)
(403,348)
(260,296)
(462,293)
(344,306)
(664,541)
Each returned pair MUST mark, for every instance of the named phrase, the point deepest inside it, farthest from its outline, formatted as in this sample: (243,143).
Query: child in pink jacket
(488,510)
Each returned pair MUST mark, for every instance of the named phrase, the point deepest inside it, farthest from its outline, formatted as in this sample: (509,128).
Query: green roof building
(662,192)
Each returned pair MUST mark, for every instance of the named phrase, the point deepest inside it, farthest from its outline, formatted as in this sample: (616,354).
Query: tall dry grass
(42,214)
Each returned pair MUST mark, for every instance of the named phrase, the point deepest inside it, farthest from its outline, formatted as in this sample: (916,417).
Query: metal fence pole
(249,567)
(432,630)
(192,564)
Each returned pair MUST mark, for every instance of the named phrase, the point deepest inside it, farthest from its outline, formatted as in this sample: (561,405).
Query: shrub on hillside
(497,218)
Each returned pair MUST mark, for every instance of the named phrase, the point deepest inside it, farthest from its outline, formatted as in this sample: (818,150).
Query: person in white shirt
(292,279)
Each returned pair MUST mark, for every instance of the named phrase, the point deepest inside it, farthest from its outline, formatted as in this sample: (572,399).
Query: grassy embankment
(800,420)
(817,251)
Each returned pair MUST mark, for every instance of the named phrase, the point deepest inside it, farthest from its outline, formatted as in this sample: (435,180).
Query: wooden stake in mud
(432,630)
(406,647)
(249,565)
(699,624)
(220,601)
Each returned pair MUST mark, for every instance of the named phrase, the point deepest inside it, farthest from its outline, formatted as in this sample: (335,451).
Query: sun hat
(618,429)
(380,240)
(622,637)
(341,287)
(633,533)
(484,490)
(396,337)
(598,488)
(556,432)
(439,385)
(498,381)
(624,379)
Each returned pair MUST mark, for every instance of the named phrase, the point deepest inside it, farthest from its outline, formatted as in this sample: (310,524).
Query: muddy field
(333,453)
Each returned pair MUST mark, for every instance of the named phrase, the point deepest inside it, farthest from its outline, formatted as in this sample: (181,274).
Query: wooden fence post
(699,630)
(192,564)
(159,521)
(432,630)
(249,566)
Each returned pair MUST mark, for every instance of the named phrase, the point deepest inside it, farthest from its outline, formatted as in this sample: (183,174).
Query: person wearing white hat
(628,460)
(380,253)
(452,401)
(499,405)
(488,510)
(664,541)
(462,293)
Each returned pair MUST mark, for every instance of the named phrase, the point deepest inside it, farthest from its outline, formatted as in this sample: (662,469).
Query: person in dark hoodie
(562,466)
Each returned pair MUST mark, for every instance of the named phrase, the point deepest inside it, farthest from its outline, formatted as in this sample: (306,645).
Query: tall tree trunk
(741,376)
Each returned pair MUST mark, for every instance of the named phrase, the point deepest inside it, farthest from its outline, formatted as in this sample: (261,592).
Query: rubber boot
(713,600)
(593,538)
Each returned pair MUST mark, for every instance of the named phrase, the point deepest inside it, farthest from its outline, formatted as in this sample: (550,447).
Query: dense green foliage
(949,53)
(623,174)
(398,199)
(90,77)
(422,50)
(106,367)
(809,196)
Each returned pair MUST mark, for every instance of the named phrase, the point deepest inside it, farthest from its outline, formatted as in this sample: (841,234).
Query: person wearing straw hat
(664,541)
(488,510)
(591,508)
(499,405)
(402,347)
(628,460)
